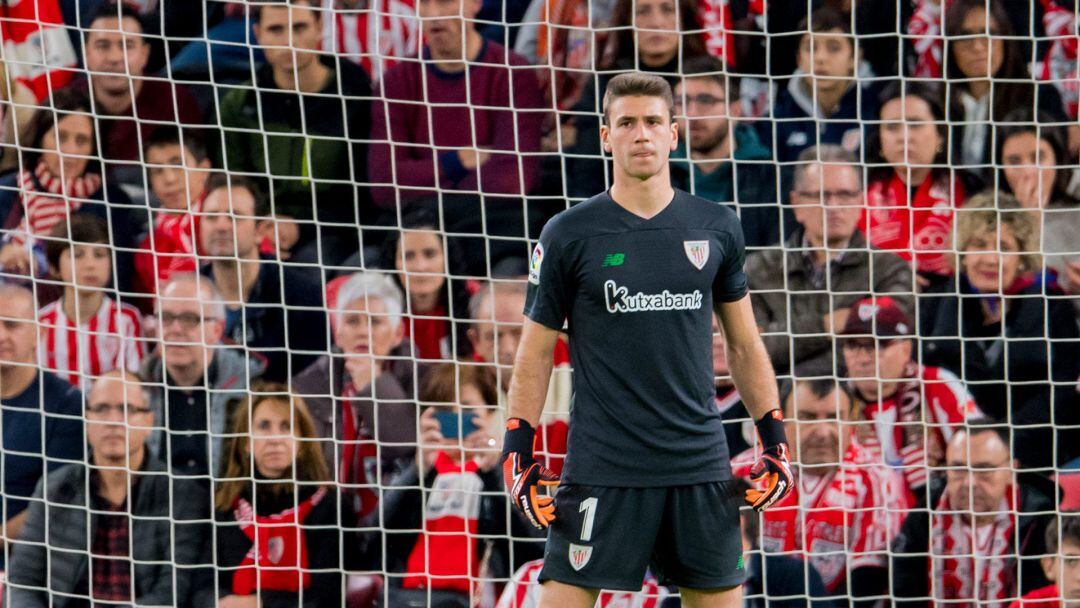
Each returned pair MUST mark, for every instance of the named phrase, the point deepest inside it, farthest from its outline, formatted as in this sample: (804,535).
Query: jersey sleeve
(548,298)
(730,283)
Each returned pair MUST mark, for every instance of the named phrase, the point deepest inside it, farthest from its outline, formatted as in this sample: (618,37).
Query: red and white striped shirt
(111,339)
(372,33)
(524,591)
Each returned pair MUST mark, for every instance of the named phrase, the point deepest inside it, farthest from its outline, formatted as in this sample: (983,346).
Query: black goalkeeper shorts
(606,538)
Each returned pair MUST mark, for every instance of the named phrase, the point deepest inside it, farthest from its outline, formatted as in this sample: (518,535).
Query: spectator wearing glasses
(802,293)
(195,380)
(982,540)
(1011,337)
(914,409)
(108,532)
(31,399)
(721,160)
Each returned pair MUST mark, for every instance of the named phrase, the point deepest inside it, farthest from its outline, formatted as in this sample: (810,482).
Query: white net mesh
(264,266)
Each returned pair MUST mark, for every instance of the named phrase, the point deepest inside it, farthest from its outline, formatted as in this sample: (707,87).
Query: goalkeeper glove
(523,475)
(772,468)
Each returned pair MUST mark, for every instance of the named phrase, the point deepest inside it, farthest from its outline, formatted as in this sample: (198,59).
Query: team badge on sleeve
(579,556)
(697,252)
(534,263)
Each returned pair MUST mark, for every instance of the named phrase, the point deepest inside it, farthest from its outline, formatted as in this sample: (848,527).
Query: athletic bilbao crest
(579,556)
(697,252)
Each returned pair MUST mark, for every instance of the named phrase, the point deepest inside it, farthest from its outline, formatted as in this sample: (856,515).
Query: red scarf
(44,208)
(278,559)
(430,333)
(842,521)
(924,27)
(445,555)
(967,565)
(359,457)
(920,228)
(1060,64)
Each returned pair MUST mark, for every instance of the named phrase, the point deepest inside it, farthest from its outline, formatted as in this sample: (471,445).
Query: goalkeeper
(637,272)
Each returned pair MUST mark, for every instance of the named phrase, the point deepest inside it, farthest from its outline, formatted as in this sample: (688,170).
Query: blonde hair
(984,213)
(309,464)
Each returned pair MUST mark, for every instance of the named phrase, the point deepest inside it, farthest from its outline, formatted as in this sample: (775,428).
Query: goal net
(264,265)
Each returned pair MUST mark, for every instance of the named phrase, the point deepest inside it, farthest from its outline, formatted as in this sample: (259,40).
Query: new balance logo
(613,259)
(619,299)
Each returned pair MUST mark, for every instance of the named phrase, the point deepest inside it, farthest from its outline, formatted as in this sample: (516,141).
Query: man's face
(227,227)
(86,266)
(640,135)
(814,423)
(290,36)
(979,471)
(827,202)
(496,332)
(18,331)
(118,419)
(871,362)
(364,329)
(704,113)
(115,51)
(188,326)
(175,176)
(444,22)
(828,58)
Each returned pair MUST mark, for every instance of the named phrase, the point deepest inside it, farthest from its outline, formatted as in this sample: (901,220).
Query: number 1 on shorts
(589,507)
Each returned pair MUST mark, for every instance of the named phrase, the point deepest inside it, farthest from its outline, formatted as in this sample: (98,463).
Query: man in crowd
(128,105)
(427,130)
(910,410)
(1061,565)
(31,399)
(802,292)
(195,381)
(726,162)
(106,532)
(365,418)
(844,508)
(275,310)
(304,120)
(982,539)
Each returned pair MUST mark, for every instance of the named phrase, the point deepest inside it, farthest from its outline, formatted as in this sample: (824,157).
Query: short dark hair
(712,68)
(824,20)
(121,10)
(986,424)
(189,140)
(258,6)
(220,180)
(1069,524)
(819,388)
(81,229)
(635,84)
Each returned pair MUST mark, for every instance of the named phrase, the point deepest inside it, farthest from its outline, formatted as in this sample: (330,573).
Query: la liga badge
(697,252)
(535,262)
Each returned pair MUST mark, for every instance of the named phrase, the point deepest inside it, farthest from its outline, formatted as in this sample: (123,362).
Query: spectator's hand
(363,370)
(471,159)
(431,442)
(239,601)
(282,233)
(481,447)
(1072,276)
(1027,192)
(524,476)
(834,322)
(15,258)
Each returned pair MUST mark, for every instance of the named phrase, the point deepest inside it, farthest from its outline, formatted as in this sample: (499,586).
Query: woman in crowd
(987,71)
(1006,334)
(277,494)
(655,36)
(912,194)
(419,255)
(58,179)
(443,544)
(1030,155)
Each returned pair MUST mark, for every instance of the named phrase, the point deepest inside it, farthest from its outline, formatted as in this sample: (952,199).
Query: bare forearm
(528,388)
(754,377)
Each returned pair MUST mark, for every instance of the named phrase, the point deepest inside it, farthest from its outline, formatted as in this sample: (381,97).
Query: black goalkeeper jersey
(637,296)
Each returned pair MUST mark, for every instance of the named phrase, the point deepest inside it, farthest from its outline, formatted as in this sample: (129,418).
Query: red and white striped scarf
(968,566)
(54,201)
(1060,64)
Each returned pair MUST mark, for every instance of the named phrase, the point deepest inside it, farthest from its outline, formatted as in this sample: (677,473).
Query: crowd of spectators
(264,270)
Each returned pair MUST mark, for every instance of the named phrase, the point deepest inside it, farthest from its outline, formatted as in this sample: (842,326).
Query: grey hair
(487,291)
(210,294)
(9,291)
(371,285)
(826,154)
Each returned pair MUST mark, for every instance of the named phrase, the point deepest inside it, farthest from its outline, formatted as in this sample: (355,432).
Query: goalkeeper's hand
(772,469)
(524,476)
